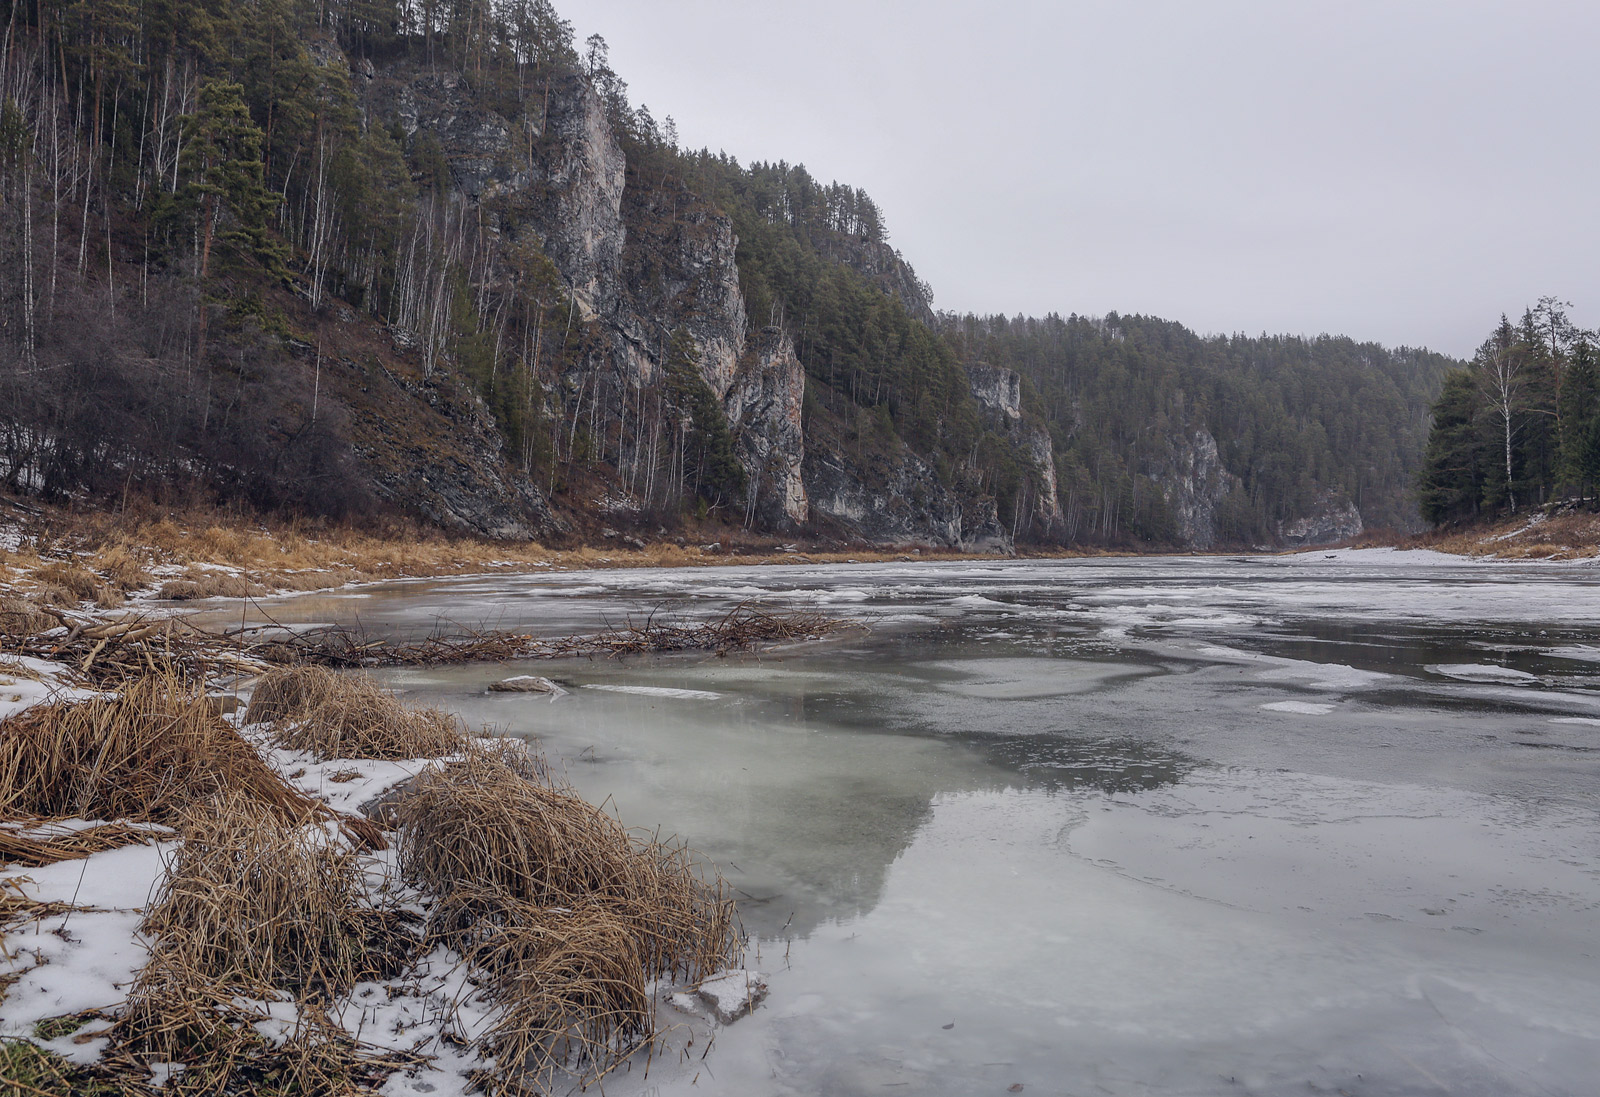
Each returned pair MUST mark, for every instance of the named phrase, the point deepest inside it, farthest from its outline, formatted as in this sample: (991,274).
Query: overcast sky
(1391,170)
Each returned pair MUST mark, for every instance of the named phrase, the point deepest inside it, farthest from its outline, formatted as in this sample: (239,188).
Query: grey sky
(1390,170)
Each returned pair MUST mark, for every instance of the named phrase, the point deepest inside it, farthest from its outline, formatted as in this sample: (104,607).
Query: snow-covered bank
(79,944)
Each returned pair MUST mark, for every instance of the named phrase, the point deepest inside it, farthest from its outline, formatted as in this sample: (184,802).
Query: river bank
(264,889)
(61,557)
(1560,531)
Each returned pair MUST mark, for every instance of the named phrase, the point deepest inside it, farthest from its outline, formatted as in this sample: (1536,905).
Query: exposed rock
(998,389)
(999,393)
(898,500)
(730,995)
(381,808)
(524,683)
(580,174)
(1194,483)
(1331,520)
(1035,441)
(764,405)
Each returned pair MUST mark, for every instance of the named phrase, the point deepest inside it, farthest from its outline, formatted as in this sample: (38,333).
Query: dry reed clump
(146,754)
(49,594)
(179,590)
(254,899)
(567,913)
(20,617)
(254,909)
(122,566)
(37,846)
(348,716)
(81,583)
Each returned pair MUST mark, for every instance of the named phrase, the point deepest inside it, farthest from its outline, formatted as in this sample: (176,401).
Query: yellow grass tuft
(82,584)
(348,716)
(20,617)
(568,914)
(148,754)
(255,909)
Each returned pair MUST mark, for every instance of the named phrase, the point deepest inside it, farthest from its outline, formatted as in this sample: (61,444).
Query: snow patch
(1481,672)
(1300,708)
(660,691)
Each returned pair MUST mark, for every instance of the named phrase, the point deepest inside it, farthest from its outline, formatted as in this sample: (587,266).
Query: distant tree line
(1519,425)
(172,172)
(1295,419)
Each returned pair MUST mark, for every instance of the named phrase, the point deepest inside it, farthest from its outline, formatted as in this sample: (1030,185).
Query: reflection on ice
(1194,826)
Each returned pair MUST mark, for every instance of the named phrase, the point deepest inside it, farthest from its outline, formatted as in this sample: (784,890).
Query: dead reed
(256,909)
(20,617)
(568,915)
(107,652)
(145,755)
(336,715)
(254,899)
(744,627)
(34,843)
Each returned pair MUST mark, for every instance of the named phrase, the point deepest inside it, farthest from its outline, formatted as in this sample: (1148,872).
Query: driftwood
(105,653)
(742,628)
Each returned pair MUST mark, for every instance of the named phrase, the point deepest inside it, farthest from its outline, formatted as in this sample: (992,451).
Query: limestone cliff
(999,392)
(1194,483)
(896,499)
(1331,519)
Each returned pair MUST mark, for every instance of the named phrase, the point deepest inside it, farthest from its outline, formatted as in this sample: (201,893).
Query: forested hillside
(1519,425)
(345,257)
(1294,428)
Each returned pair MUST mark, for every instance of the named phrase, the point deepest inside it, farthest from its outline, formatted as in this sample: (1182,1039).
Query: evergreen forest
(241,263)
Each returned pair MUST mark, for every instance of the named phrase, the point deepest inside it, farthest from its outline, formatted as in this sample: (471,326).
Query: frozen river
(1320,824)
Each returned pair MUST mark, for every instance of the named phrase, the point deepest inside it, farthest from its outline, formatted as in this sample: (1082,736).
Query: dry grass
(20,617)
(348,716)
(1561,532)
(107,652)
(297,556)
(148,754)
(568,914)
(34,844)
(79,582)
(252,899)
(255,908)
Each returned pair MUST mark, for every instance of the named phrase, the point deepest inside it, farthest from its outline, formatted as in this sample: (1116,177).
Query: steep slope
(340,258)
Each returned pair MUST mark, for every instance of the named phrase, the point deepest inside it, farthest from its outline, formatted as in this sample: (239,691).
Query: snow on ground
(659,691)
(25,682)
(1481,672)
(1383,556)
(80,959)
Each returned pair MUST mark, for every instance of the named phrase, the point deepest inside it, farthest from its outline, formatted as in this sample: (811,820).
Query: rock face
(1333,519)
(898,500)
(999,392)
(1194,483)
(763,403)
(643,258)
(578,174)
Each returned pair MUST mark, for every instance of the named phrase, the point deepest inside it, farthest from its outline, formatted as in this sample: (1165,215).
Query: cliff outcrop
(1194,482)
